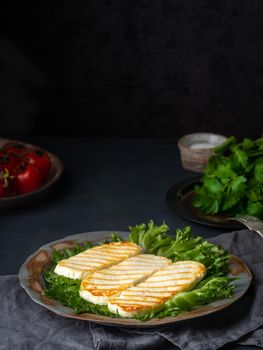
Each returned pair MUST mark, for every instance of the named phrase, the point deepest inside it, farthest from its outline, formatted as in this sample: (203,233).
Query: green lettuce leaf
(66,290)
(184,246)
(149,237)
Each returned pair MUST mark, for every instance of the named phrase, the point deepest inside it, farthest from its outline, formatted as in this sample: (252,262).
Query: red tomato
(14,147)
(28,179)
(10,162)
(42,161)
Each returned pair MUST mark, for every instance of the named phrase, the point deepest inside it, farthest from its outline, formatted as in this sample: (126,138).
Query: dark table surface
(107,185)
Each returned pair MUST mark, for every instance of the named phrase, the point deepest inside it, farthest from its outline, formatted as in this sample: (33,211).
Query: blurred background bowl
(44,190)
(197,148)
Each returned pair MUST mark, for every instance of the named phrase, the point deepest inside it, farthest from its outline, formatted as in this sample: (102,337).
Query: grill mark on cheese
(87,286)
(81,263)
(164,280)
(108,277)
(120,272)
(136,298)
(134,302)
(161,290)
(116,268)
(169,278)
(123,272)
(151,294)
(96,258)
(179,273)
(107,255)
(98,286)
(164,287)
(157,289)
(91,258)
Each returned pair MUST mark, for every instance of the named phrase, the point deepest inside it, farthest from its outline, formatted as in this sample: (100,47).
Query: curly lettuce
(183,246)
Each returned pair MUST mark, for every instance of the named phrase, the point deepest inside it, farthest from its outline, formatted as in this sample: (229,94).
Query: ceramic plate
(179,198)
(31,280)
(55,173)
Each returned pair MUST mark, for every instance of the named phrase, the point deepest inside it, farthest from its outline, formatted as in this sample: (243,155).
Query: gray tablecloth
(26,325)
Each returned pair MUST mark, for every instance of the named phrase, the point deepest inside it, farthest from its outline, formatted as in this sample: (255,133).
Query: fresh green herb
(184,246)
(233,180)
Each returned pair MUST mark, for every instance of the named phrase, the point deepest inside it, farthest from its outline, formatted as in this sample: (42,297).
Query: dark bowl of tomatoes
(26,172)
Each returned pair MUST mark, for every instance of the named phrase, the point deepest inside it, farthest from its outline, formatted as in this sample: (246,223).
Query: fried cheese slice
(99,286)
(157,289)
(81,265)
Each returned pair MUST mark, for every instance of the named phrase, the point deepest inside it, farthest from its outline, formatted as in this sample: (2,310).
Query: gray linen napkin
(27,325)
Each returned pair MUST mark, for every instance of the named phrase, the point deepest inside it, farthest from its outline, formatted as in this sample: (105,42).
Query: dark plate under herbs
(180,198)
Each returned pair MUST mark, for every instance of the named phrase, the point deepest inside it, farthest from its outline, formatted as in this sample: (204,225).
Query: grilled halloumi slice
(96,258)
(157,289)
(100,285)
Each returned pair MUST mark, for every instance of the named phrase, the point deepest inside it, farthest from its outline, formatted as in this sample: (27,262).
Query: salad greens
(66,290)
(153,239)
(184,246)
(233,179)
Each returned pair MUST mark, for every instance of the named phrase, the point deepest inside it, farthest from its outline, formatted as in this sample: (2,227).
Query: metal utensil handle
(251,222)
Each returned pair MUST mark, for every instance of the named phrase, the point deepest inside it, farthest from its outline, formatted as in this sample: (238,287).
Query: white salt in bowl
(197,148)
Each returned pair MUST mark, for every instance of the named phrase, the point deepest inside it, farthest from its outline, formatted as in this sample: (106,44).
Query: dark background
(127,68)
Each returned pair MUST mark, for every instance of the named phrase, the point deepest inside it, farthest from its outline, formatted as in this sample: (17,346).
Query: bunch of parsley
(233,179)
